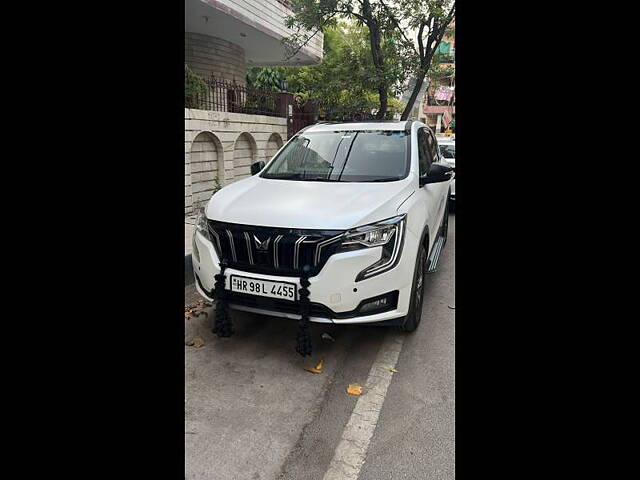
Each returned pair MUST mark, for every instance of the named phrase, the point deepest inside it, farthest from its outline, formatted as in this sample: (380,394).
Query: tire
(412,319)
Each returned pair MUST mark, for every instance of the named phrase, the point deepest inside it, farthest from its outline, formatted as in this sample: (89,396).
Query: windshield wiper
(284,176)
(318,179)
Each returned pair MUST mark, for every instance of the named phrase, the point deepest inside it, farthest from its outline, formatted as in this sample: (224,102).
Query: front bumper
(334,293)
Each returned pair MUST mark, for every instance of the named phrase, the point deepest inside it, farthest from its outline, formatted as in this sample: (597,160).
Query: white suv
(358,209)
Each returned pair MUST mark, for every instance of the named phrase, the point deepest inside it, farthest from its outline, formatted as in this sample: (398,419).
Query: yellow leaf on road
(390,369)
(316,369)
(196,342)
(354,389)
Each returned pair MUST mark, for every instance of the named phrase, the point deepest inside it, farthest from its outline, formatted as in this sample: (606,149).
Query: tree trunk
(414,95)
(377,57)
(382,91)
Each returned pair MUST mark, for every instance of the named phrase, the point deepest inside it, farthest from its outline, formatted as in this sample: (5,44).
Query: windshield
(448,151)
(343,156)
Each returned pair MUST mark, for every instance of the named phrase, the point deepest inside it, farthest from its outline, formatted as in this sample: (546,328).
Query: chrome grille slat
(233,247)
(215,234)
(275,251)
(246,237)
(296,251)
(321,245)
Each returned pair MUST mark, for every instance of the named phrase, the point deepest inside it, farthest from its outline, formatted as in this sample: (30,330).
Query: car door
(429,194)
(441,190)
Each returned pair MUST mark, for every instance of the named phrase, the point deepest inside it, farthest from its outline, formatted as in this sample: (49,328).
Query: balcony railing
(432,109)
(432,102)
(223,96)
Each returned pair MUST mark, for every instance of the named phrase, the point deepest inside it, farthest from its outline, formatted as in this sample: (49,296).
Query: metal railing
(223,96)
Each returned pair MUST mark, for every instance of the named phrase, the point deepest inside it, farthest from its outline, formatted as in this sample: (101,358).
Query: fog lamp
(382,303)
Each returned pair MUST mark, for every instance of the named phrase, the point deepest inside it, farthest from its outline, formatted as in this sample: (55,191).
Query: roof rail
(361,121)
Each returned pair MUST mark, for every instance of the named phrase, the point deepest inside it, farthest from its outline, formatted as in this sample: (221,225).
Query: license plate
(263,288)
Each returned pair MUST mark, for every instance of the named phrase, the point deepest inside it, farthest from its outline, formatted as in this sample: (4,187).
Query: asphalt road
(253,412)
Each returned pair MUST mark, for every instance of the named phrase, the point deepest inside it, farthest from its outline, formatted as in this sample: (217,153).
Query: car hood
(307,204)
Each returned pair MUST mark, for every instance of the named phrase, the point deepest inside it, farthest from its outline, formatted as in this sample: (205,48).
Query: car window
(424,157)
(343,156)
(448,151)
(433,146)
(314,154)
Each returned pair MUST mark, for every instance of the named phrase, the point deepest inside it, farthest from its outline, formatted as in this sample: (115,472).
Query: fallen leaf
(329,338)
(316,369)
(196,342)
(354,389)
(390,369)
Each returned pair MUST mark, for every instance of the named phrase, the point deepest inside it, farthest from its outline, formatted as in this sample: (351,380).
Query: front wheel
(412,320)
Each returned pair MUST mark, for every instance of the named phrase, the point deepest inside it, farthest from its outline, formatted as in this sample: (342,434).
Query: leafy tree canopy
(346,80)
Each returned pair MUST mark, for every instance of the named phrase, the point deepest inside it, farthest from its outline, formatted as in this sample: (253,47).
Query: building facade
(233,127)
(438,105)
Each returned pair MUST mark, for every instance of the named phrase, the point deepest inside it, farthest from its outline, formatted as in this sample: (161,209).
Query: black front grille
(272,250)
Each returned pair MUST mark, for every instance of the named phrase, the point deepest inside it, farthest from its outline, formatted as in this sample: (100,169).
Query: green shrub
(194,88)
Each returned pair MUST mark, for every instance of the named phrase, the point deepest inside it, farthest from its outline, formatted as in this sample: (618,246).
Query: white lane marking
(352,448)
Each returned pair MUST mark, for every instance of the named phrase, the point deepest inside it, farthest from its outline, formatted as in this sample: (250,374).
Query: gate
(300,115)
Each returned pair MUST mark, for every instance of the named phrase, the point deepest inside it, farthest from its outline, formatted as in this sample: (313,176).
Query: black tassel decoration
(223,326)
(303,340)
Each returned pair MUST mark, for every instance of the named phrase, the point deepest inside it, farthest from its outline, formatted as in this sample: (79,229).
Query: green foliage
(266,78)
(194,87)
(375,50)
(395,107)
(401,37)
(345,82)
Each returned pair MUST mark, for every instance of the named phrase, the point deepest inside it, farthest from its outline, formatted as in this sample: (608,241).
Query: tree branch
(308,39)
(351,12)
(420,44)
(395,22)
(301,46)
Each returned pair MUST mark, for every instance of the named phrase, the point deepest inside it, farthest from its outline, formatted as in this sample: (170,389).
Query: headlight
(388,234)
(202,224)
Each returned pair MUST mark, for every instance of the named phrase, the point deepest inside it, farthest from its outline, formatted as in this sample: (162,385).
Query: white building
(222,39)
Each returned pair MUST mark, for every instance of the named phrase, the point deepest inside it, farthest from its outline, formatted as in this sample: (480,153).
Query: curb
(188,271)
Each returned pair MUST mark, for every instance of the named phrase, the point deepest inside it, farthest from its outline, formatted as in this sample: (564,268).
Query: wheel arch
(425,238)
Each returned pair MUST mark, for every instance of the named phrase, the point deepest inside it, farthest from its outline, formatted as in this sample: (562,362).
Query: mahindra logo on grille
(262,245)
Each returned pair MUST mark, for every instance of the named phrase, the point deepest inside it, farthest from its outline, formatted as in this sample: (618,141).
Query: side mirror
(437,173)
(256,167)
